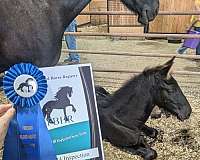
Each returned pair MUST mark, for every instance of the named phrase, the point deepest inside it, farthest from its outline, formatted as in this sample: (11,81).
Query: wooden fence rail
(138,54)
(132,13)
(146,35)
(142,54)
(137,72)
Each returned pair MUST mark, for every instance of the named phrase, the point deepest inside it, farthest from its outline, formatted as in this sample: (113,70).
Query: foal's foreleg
(148,131)
(143,149)
(128,138)
(146,153)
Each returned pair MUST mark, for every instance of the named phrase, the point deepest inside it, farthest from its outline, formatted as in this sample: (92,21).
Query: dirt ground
(179,140)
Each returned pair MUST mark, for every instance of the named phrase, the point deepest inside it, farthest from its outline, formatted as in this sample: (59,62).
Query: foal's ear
(170,62)
(166,68)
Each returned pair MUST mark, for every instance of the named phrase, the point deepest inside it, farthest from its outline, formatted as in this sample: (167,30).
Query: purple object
(192,42)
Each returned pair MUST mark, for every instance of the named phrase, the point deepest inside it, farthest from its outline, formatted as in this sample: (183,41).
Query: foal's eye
(168,89)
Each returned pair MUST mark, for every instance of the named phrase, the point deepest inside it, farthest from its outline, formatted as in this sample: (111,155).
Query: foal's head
(167,93)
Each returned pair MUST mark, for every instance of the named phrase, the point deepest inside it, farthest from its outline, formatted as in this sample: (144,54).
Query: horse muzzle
(146,17)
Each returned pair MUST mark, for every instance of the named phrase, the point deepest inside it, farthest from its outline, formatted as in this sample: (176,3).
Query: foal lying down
(124,113)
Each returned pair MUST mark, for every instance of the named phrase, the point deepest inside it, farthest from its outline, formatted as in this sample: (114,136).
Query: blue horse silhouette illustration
(62,101)
(26,84)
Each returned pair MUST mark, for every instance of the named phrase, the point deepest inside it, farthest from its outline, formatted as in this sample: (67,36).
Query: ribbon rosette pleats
(27,138)
(25,85)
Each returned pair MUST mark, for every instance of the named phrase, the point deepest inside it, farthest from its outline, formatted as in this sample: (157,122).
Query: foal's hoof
(156,115)
(152,154)
(154,133)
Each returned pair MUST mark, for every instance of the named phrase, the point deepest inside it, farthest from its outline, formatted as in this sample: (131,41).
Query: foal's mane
(150,71)
(138,82)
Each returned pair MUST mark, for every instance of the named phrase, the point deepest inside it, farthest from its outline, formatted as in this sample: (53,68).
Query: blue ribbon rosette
(27,138)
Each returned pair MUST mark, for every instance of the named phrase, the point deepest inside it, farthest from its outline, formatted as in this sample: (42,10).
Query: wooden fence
(128,23)
(172,23)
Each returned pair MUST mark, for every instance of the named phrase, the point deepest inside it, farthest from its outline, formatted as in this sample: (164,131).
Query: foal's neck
(135,100)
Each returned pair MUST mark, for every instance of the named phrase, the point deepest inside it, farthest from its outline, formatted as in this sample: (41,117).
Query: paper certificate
(70,112)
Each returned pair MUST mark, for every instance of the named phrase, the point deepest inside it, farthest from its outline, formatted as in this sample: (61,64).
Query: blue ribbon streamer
(27,137)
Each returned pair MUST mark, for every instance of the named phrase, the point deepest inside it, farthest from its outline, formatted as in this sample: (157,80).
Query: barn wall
(83,19)
(98,5)
(116,5)
(172,24)
(122,23)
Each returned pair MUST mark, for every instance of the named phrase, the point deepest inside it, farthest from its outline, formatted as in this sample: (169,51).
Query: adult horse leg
(148,131)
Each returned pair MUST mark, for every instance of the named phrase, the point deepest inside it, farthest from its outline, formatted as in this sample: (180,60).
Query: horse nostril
(187,115)
(189,111)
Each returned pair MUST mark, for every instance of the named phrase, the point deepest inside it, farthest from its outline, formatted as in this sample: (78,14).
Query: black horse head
(155,86)
(63,91)
(168,94)
(147,9)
